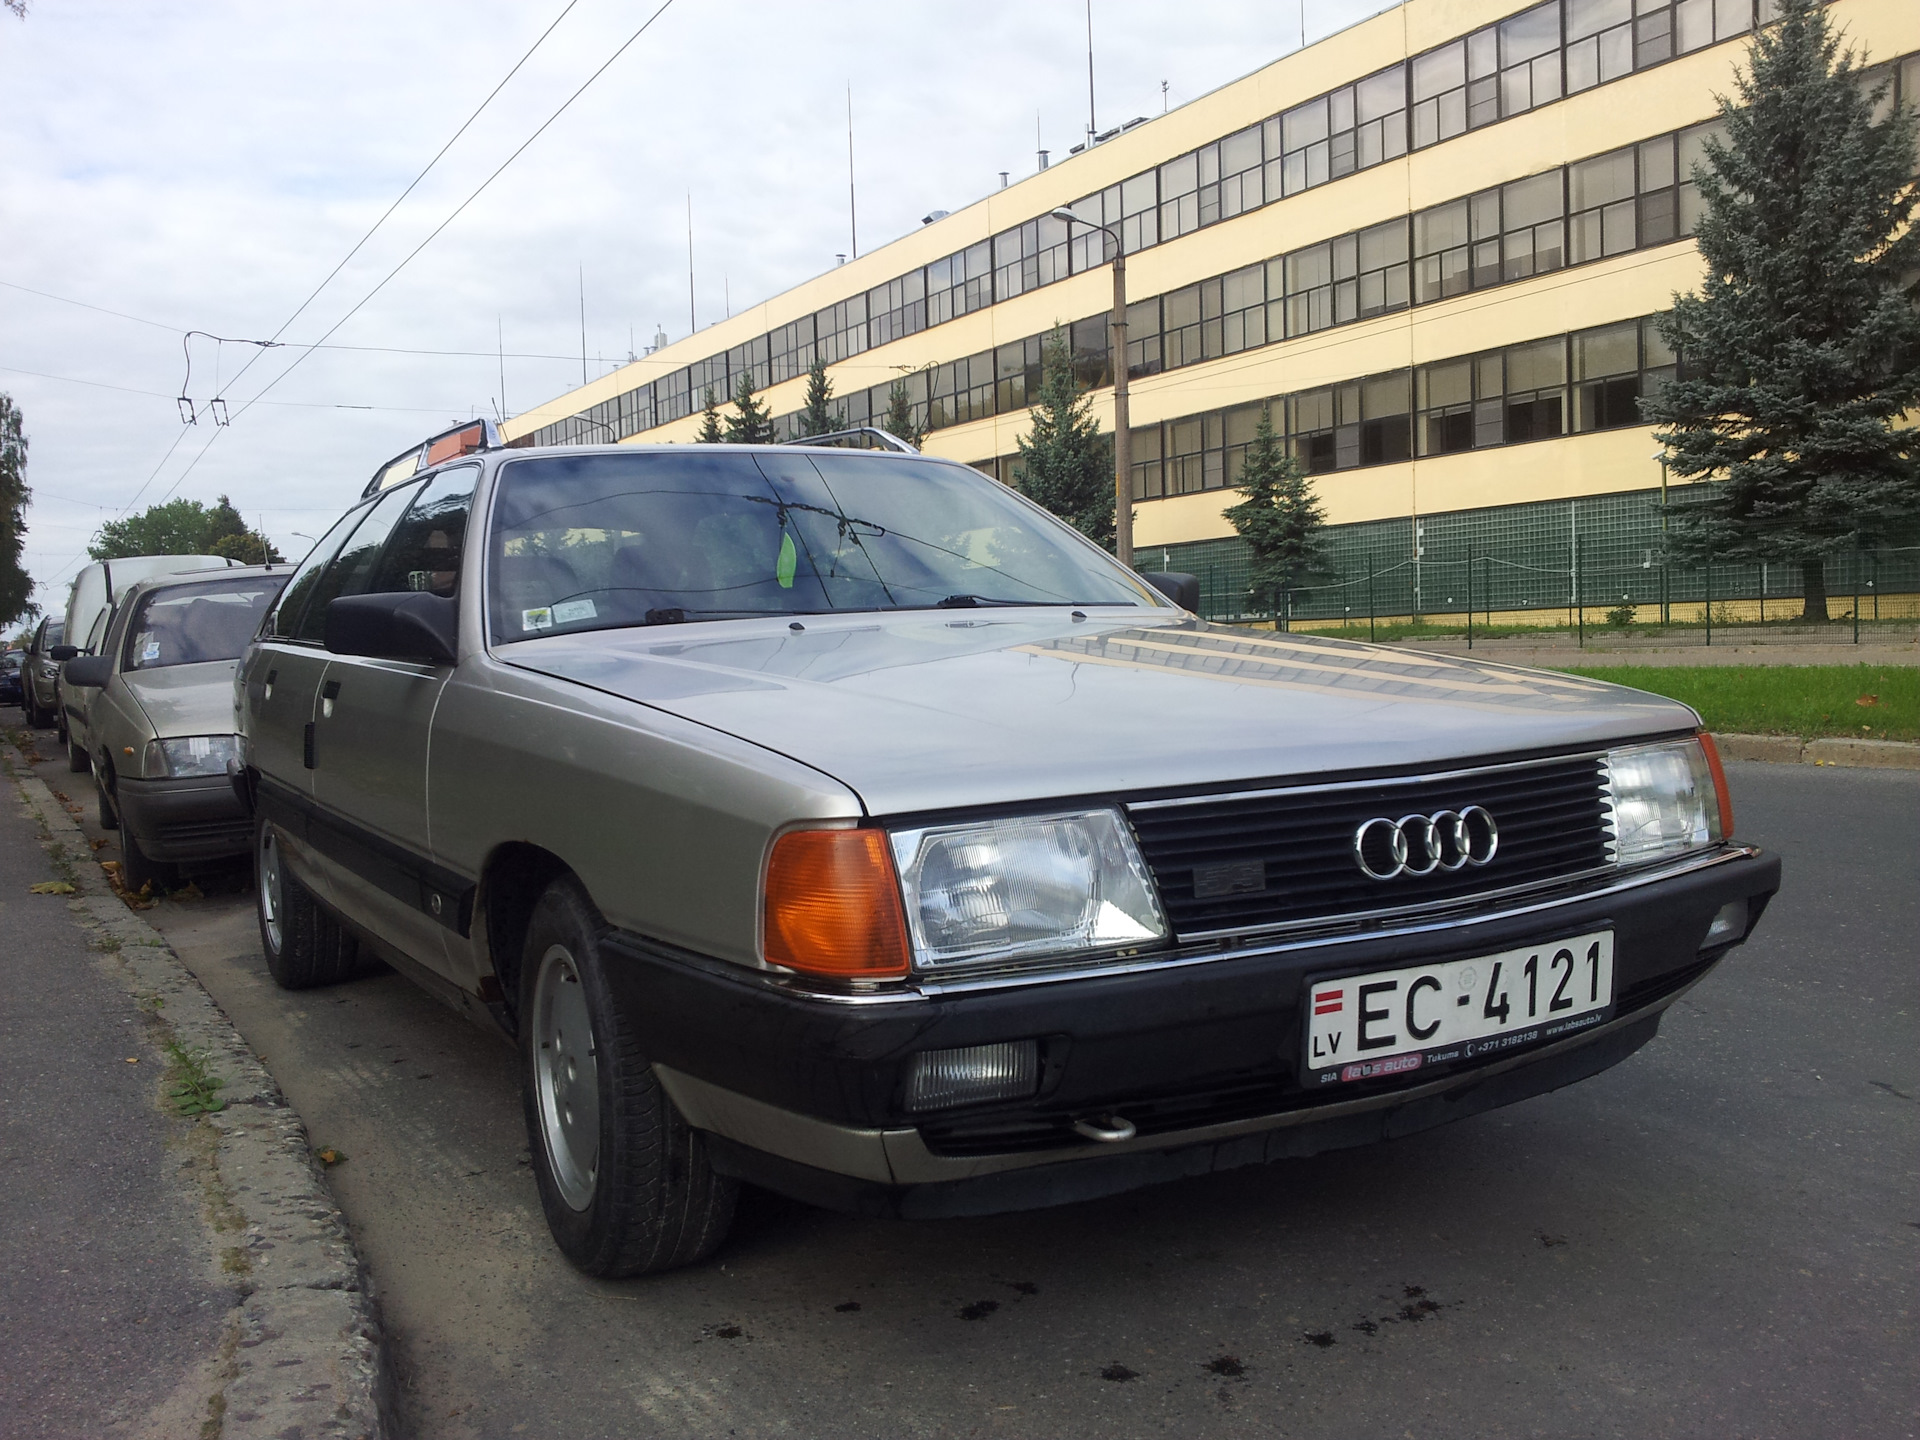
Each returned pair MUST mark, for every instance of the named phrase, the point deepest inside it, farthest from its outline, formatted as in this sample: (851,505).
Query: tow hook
(1106,1128)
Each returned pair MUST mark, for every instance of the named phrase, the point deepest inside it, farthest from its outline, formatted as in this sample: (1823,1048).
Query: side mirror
(406,625)
(64,653)
(1183,590)
(89,672)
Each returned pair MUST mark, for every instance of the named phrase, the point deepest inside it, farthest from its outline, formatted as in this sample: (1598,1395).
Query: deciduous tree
(184,527)
(1801,350)
(16,590)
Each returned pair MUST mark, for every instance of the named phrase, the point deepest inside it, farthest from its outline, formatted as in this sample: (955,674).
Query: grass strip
(1869,702)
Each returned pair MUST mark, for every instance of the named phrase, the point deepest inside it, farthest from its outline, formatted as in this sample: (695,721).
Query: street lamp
(1122,429)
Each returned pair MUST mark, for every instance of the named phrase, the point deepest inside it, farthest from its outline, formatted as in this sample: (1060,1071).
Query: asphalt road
(1718,1237)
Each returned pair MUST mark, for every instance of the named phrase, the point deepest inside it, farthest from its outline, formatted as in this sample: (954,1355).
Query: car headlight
(1667,799)
(1020,889)
(189,755)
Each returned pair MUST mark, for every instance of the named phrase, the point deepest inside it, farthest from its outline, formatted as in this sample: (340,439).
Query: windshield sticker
(569,611)
(151,651)
(538,618)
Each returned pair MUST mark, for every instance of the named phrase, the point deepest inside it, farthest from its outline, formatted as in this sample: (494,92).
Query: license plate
(1394,1022)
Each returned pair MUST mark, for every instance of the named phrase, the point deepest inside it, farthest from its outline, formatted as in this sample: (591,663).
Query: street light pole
(1122,425)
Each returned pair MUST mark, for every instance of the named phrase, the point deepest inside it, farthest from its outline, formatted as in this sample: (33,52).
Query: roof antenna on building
(1303,24)
(693,323)
(1093,126)
(853,212)
(1037,139)
(500,339)
(1163,97)
(583,324)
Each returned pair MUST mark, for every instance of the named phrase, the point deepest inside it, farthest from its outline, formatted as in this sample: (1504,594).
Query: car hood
(185,699)
(932,710)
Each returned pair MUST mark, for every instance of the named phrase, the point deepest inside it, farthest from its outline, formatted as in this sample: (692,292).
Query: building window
(1029,256)
(960,284)
(1131,208)
(1146,354)
(842,329)
(1180,327)
(960,391)
(1195,458)
(1091,339)
(1600,195)
(1529,59)
(1382,262)
(1606,376)
(1350,129)
(751,359)
(1149,477)
(791,348)
(1016,370)
(897,308)
(1243,310)
(1320,288)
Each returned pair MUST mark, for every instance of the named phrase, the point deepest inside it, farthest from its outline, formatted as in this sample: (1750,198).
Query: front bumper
(802,1093)
(184,820)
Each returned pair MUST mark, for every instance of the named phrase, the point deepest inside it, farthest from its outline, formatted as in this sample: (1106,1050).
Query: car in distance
(840,822)
(40,673)
(12,663)
(91,600)
(160,713)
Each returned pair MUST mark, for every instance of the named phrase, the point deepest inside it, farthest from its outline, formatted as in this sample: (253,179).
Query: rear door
(371,738)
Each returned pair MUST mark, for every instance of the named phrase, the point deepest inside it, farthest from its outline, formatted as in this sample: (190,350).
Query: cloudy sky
(203,166)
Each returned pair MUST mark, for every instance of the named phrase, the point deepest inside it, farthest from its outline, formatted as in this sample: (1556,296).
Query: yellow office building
(1440,271)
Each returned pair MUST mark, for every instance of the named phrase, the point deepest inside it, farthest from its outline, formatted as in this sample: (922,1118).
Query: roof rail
(888,440)
(461,439)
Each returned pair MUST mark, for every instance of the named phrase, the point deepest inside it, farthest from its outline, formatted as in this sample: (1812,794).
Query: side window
(428,543)
(348,572)
(285,618)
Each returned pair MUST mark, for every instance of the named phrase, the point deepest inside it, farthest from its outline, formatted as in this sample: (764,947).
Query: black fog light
(942,1079)
(1728,925)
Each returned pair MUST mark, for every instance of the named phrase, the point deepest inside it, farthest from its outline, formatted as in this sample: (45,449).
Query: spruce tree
(1280,519)
(817,415)
(751,423)
(709,432)
(16,590)
(899,421)
(1066,464)
(1802,348)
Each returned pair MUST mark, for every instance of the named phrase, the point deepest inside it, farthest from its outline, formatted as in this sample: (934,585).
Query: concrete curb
(1872,754)
(304,1356)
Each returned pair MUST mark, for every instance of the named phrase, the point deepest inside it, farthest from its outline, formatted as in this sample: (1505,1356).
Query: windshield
(192,624)
(582,542)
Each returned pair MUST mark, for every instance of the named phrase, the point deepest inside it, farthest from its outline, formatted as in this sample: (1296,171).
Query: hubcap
(566,1077)
(268,884)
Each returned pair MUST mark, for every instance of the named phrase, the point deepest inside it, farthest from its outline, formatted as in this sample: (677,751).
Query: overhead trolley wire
(413,184)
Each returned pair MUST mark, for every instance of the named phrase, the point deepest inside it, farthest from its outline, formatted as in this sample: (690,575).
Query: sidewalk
(163,1276)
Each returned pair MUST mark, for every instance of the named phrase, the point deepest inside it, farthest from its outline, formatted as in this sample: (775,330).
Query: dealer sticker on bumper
(1395,1022)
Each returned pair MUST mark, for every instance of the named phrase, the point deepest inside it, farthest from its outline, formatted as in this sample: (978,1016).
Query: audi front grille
(1286,856)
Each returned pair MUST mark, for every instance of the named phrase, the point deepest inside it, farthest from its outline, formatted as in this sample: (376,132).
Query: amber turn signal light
(1719,784)
(833,905)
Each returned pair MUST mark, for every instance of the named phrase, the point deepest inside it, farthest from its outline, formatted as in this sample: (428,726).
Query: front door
(371,734)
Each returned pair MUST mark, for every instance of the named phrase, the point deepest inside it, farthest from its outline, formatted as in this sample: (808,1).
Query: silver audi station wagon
(838,822)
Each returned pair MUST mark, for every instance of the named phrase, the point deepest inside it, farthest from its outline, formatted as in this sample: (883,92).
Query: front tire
(108,820)
(624,1180)
(304,945)
(78,762)
(139,870)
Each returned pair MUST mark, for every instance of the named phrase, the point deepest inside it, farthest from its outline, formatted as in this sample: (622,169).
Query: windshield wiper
(969,602)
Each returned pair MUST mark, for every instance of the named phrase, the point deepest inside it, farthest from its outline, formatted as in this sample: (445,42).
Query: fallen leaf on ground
(133,1059)
(329,1156)
(52,887)
(1868,700)
(99,844)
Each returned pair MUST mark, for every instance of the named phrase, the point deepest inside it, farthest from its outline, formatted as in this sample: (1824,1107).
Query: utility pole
(1122,425)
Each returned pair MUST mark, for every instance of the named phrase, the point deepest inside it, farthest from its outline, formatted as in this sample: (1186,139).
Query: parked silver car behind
(161,734)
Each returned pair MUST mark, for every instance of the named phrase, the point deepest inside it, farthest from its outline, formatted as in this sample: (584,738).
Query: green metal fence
(1596,552)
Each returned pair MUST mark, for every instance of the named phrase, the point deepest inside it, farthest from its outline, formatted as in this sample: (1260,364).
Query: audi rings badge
(1445,841)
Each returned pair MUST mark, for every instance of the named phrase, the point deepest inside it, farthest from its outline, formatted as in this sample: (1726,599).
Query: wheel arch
(514,878)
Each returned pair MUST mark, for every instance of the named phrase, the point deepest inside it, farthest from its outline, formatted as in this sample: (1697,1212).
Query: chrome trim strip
(1431,777)
(1453,922)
